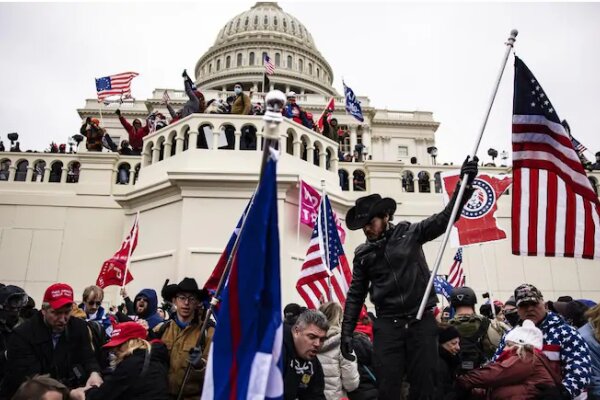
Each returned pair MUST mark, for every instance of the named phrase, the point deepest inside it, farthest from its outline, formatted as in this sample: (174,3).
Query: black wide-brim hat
(187,285)
(368,207)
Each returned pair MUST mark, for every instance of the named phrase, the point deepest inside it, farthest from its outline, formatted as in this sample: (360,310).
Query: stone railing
(227,132)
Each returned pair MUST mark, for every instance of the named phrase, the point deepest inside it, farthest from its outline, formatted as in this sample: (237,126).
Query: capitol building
(62,215)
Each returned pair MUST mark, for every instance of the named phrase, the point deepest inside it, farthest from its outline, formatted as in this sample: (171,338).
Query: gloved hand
(118,112)
(347,348)
(184,74)
(88,120)
(195,358)
(470,169)
(547,392)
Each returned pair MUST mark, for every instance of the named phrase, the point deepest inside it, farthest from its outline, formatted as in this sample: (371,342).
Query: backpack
(472,354)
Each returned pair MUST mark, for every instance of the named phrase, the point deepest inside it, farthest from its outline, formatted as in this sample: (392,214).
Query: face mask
(512,318)
(237,91)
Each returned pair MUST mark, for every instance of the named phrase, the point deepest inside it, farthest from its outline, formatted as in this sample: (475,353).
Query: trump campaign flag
(310,199)
(477,223)
(352,104)
(555,211)
(114,271)
(244,359)
(441,286)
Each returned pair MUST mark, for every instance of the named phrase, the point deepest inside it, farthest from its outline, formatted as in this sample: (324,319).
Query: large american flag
(269,66)
(555,211)
(314,283)
(456,276)
(115,85)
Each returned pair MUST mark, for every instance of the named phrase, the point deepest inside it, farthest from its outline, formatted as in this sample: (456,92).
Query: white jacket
(341,375)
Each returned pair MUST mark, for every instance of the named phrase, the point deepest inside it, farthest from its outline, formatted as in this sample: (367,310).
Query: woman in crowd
(341,375)
(448,362)
(519,372)
(591,334)
(140,368)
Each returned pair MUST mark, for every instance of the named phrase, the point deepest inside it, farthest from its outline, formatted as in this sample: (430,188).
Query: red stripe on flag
(551,201)
(516,212)
(316,291)
(534,177)
(546,148)
(590,231)
(535,128)
(571,224)
(305,280)
(304,294)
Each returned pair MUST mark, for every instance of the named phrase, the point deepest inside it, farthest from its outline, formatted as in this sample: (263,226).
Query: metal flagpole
(299,211)
(326,247)
(133,234)
(487,281)
(463,184)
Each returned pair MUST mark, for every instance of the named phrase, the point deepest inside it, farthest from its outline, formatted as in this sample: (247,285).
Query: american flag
(269,66)
(115,85)
(165,97)
(555,211)
(456,276)
(579,148)
(313,284)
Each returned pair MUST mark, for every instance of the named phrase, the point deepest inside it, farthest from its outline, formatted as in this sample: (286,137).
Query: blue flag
(442,286)
(352,104)
(245,356)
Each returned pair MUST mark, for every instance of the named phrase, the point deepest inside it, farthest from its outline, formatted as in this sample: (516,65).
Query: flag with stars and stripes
(579,148)
(555,211)
(325,274)
(115,85)
(269,66)
(456,276)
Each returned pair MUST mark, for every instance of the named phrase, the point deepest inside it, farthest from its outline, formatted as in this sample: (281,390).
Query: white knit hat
(528,333)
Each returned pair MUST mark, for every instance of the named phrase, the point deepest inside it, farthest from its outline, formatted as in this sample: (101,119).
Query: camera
(274,101)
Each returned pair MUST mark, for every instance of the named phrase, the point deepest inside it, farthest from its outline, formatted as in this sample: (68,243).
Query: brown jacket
(179,342)
(241,105)
(512,378)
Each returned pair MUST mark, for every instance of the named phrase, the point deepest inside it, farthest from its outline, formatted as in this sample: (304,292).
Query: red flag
(309,208)
(477,222)
(113,270)
(330,106)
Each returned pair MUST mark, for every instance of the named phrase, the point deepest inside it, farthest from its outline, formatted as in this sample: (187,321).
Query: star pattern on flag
(539,101)
(103,83)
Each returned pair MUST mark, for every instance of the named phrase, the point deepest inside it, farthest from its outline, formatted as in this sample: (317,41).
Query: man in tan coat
(241,105)
(181,334)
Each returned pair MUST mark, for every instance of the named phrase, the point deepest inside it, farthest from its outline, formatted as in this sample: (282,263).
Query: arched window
(228,62)
(38,171)
(277,59)
(343,174)
(218,65)
(4,170)
(251,58)
(266,20)
(293,27)
(408,184)
(136,173)
(275,21)
(256,20)
(239,60)
(310,70)
(237,24)
(318,72)
(300,65)
(247,22)
(424,186)
(73,172)
(21,171)
(284,24)
(289,62)
(358,181)
(56,171)
(123,174)
(209,68)
(264,54)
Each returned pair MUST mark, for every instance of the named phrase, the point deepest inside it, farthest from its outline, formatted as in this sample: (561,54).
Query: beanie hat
(447,334)
(528,333)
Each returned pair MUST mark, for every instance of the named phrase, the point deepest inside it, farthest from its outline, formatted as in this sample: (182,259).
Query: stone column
(12,173)
(310,151)
(431,184)
(46,176)
(63,175)
(352,138)
(238,139)
(168,148)
(334,164)
(29,173)
(132,174)
(192,139)
(323,159)
(155,153)
(297,144)
(416,184)
(259,143)
(179,145)
(366,140)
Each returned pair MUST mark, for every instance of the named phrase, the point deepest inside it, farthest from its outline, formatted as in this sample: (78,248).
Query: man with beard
(145,306)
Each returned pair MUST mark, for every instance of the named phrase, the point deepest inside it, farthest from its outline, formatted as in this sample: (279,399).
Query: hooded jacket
(150,315)
(587,333)
(341,375)
(394,270)
(567,351)
(130,381)
(136,136)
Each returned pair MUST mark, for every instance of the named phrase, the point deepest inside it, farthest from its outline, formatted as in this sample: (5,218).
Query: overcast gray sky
(440,57)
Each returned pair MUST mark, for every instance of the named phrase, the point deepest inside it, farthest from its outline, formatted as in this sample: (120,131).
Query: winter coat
(179,342)
(150,315)
(296,113)
(136,136)
(447,369)
(241,105)
(394,270)
(566,349)
(341,375)
(367,388)
(302,379)
(195,104)
(30,352)
(94,135)
(511,377)
(129,380)
(100,317)
(587,333)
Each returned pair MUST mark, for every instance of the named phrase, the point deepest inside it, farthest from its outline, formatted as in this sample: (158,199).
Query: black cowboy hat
(187,285)
(368,207)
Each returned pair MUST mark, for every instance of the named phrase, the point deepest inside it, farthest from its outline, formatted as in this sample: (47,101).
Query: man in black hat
(181,335)
(391,266)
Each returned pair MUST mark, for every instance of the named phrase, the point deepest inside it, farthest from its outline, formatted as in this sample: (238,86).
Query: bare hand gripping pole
(463,183)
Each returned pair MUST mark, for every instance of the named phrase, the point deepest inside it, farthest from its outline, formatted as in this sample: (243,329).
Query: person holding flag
(391,266)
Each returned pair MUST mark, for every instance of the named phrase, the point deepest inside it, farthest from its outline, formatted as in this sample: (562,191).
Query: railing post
(238,139)
(12,173)
(215,139)
(179,144)
(63,174)
(310,154)
(334,164)
(352,140)
(46,176)
(168,148)
(29,173)
(192,140)
(259,141)
(323,158)
(155,153)
(297,144)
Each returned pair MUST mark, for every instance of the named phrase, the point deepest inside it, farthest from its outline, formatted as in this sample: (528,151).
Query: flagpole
(463,183)
(487,281)
(299,211)
(133,234)
(273,104)
(326,247)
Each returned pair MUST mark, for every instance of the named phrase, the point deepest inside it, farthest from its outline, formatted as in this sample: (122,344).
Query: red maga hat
(58,295)
(124,331)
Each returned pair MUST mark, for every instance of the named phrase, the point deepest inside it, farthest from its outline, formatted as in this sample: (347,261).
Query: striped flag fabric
(165,97)
(579,148)
(115,85)
(555,211)
(269,66)
(456,276)
(324,278)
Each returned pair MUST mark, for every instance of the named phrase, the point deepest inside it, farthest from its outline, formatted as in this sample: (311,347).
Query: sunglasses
(91,303)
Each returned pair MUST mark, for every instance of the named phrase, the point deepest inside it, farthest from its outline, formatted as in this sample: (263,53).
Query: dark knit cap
(447,334)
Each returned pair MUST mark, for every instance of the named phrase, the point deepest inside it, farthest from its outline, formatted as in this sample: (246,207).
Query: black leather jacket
(393,269)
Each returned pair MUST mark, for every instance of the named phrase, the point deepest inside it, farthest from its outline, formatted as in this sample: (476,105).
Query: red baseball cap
(58,295)
(124,331)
